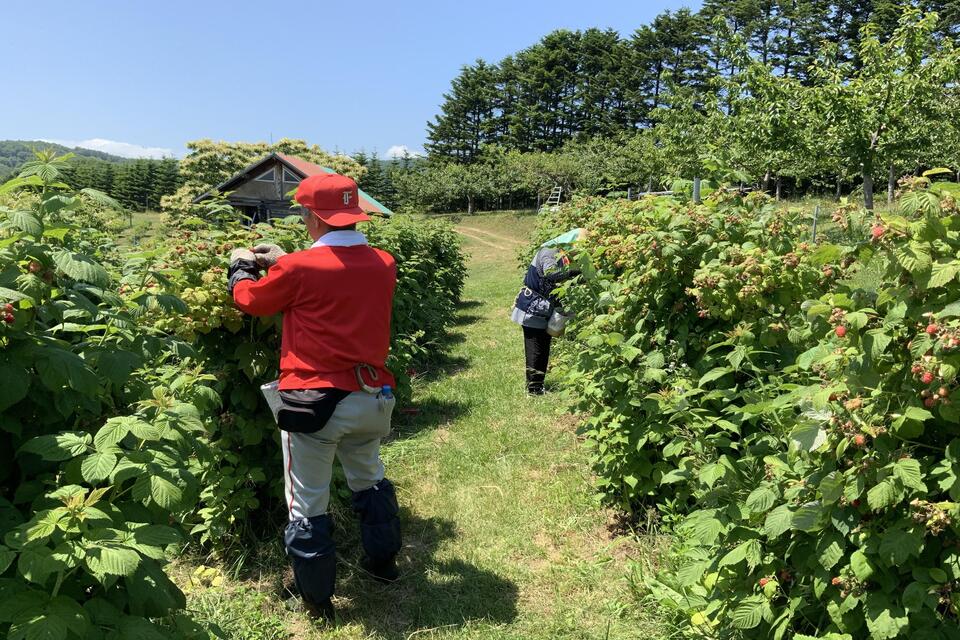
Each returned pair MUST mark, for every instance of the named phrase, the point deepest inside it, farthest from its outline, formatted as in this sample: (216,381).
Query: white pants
(353,435)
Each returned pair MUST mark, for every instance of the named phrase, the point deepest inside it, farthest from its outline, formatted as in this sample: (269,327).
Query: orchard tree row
(870,106)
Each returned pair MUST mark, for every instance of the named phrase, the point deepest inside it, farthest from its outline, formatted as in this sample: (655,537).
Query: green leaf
(898,545)
(165,493)
(807,517)
(884,494)
(808,436)
(714,374)
(112,560)
(914,257)
(36,563)
(113,431)
(885,620)
(908,471)
(98,466)
(748,613)
(59,446)
(7,557)
(25,221)
(830,550)
(16,383)
(778,521)
(877,342)
(82,268)
(861,566)
(761,499)
(156,535)
(942,273)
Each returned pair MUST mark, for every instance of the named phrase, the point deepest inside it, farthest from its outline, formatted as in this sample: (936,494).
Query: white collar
(340,239)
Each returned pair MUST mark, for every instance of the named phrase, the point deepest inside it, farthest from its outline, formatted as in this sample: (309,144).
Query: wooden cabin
(264,189)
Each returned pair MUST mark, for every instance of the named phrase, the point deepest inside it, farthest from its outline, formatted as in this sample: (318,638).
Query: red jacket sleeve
(269,295)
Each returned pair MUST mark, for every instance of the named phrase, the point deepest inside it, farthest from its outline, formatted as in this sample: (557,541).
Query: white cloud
(123,149)
(398,150)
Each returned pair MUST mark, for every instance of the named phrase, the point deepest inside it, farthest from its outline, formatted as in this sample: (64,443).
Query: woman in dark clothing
(535,304)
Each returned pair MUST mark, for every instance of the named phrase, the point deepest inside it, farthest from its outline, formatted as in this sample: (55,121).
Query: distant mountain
(14,153)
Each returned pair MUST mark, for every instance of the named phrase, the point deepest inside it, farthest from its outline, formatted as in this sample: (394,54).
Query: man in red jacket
(335,391)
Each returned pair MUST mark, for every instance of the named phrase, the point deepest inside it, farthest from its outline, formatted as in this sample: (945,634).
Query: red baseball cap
(333,198)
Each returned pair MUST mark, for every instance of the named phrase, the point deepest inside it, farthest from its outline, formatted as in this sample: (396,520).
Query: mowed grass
(502,535)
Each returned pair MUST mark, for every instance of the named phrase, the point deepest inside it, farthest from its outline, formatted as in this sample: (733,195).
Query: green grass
(502,535)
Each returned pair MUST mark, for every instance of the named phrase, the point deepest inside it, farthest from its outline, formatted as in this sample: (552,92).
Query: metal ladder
(553,200)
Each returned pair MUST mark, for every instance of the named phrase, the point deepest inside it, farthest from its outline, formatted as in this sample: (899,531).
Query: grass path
(502,536)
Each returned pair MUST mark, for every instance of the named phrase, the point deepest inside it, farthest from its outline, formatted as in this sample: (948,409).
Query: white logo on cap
(346,197)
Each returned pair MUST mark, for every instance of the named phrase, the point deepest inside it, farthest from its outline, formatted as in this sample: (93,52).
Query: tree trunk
(779,185)
(839,190)
(469,205)
(891,184)
(868,189)
(765,186)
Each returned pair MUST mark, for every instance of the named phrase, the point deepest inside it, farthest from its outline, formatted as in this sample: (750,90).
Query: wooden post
(816,214)
(696,190)
(629,193)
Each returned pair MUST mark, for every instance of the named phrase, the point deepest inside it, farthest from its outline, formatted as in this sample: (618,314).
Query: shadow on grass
(428,414)
(468,304)
(431,592)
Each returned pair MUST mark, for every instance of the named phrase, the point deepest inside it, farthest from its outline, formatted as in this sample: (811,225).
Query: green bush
(130,415)
(788,407)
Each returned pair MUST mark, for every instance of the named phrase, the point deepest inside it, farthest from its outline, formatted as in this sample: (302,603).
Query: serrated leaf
(942,273)
(761,499)
(778,521)
(36,563)
(116,561)
(113,431)
(59,446)
(860,565)
(156,535)
(884,494)
(25,221)
(80,267)
(748,613)
(165,493)
(885,620)
(16,384)
(830,550)
(807,517)
(98,466)
(808,436)
(898,545)
(7,557)
(908,471)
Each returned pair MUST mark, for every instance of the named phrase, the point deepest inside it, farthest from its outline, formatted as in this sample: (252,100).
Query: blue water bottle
(387,392)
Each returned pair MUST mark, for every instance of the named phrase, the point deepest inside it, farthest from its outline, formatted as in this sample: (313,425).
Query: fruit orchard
(131,420)
(788,408)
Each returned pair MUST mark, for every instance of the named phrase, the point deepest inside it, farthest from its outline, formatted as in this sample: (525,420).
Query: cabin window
(289,177)
(267,176)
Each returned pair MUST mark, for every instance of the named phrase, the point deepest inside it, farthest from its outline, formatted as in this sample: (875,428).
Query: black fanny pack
(308,410)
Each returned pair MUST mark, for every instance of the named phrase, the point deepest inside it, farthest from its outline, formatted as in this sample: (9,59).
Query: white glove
(268,254)
(241,254)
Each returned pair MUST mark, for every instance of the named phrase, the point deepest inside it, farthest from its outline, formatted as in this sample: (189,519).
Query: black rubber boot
(379,516)
(309,543)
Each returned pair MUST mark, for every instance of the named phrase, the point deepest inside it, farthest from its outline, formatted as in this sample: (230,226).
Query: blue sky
(344,75)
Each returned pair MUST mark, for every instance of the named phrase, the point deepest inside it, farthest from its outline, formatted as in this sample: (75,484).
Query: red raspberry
(932,329)
(840,331)
(877,232)
(8,318)
(8,308)
(859,440)
(930,403)
(763,582)
(927,377)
